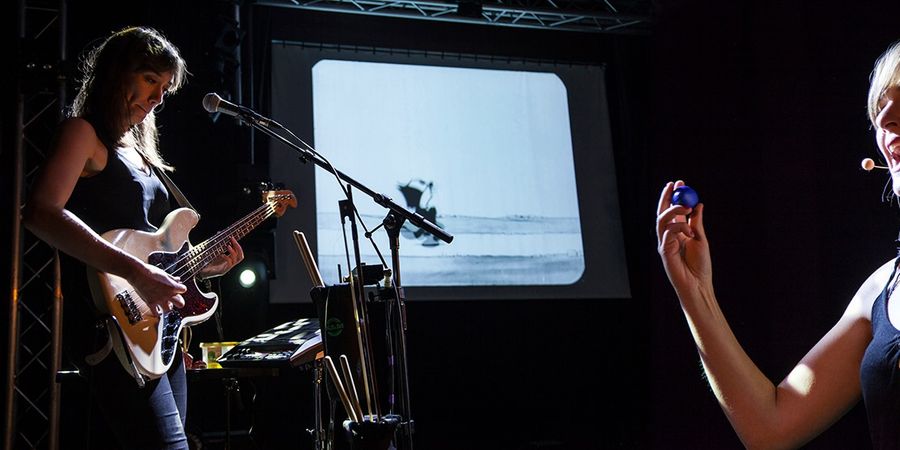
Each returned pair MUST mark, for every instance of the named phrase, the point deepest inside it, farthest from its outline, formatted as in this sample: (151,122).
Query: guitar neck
(204,253)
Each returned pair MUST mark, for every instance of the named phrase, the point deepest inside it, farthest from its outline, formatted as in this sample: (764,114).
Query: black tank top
(120,196)
(880,377)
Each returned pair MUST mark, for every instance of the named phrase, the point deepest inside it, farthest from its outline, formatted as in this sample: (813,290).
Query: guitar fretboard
(201,255)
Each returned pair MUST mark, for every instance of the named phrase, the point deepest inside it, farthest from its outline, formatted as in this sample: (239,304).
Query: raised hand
(681,242)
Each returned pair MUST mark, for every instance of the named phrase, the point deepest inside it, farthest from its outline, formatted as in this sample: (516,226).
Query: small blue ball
(685,196)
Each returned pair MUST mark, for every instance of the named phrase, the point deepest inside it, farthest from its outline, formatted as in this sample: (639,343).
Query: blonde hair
(101,96)
(885,75)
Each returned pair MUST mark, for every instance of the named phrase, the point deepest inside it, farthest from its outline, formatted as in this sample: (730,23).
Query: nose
(157,95)
(889,117)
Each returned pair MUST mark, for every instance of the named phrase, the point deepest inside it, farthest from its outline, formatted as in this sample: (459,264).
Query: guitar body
(150,337)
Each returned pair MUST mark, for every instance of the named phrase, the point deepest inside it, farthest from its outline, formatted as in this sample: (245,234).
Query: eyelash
(151,80)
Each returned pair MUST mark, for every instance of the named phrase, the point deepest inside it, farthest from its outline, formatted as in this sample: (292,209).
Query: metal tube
(15,250)
(57,331)
(55,354)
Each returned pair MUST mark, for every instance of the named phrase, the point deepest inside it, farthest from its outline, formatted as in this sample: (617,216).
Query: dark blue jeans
(151,417)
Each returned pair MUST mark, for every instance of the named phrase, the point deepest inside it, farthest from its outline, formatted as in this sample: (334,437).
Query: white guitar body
(149,336)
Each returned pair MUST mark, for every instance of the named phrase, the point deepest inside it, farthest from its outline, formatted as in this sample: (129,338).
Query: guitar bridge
(129,307)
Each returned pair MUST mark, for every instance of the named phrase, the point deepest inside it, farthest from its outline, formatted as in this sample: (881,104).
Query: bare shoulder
(77,125)
(861,304)
(77,142)
(77,134)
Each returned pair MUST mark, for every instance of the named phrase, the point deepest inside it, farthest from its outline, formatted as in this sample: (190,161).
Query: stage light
(247,277)
(243,297)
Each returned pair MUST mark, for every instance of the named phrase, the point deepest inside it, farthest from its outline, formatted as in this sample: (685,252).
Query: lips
(893,149)
(139,117)
(895,161)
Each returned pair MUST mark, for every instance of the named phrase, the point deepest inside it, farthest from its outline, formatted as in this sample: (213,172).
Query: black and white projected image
(513,158)
(485,154)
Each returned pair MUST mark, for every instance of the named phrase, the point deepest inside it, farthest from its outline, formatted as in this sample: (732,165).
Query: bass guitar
(144,337)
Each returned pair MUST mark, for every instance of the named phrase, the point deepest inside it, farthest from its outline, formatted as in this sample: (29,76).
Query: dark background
(759,105)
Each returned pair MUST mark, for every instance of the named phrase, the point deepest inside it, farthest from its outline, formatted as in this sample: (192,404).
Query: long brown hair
(102,95)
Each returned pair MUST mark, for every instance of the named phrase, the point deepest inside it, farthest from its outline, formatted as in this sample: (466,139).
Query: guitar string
(189,259)
(266,210)
(195,259)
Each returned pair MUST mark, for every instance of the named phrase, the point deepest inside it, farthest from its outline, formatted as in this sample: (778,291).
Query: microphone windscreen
(211,102)
(868,164)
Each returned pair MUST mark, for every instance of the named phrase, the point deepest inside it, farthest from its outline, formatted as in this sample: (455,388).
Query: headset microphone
(868,164)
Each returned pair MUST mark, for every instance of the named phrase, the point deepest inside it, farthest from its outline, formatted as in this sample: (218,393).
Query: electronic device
(290,344)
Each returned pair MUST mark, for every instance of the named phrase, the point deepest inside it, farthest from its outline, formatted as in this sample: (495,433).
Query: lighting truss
(582,16)
(33,356)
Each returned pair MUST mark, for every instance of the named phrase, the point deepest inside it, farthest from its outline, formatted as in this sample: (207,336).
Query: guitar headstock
(280,200)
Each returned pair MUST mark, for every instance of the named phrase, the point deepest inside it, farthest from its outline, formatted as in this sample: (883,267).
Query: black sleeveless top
(119,196)
(880,377)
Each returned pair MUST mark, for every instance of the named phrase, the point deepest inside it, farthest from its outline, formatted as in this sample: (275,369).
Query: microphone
(868,164)
(214,104)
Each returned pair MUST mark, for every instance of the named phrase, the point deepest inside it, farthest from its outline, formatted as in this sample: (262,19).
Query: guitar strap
(179,196)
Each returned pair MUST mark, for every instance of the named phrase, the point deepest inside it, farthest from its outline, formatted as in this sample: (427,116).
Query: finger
(230,258)
(697,222)
(665,198)
(669,244)
(231,253)
(668,216)
(177,301)
(680,227)
(239,251)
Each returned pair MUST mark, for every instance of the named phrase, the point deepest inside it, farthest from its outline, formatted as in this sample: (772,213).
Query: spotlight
(244,295)
(247,277)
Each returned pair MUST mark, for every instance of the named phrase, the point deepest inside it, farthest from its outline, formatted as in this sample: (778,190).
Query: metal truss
(594,16)
(33,357)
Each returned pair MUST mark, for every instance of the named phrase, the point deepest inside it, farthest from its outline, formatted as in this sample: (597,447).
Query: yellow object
(213,350)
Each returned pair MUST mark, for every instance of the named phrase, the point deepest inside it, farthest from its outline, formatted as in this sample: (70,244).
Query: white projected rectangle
(513,158)
(485,154)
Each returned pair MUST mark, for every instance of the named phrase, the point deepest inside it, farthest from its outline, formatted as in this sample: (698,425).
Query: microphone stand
(392,223)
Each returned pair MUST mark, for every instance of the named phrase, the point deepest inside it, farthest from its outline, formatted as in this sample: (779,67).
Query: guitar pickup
(129,307)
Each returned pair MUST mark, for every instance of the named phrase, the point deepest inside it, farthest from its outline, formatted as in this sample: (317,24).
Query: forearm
(65,231)
(748,398)
(823,386)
